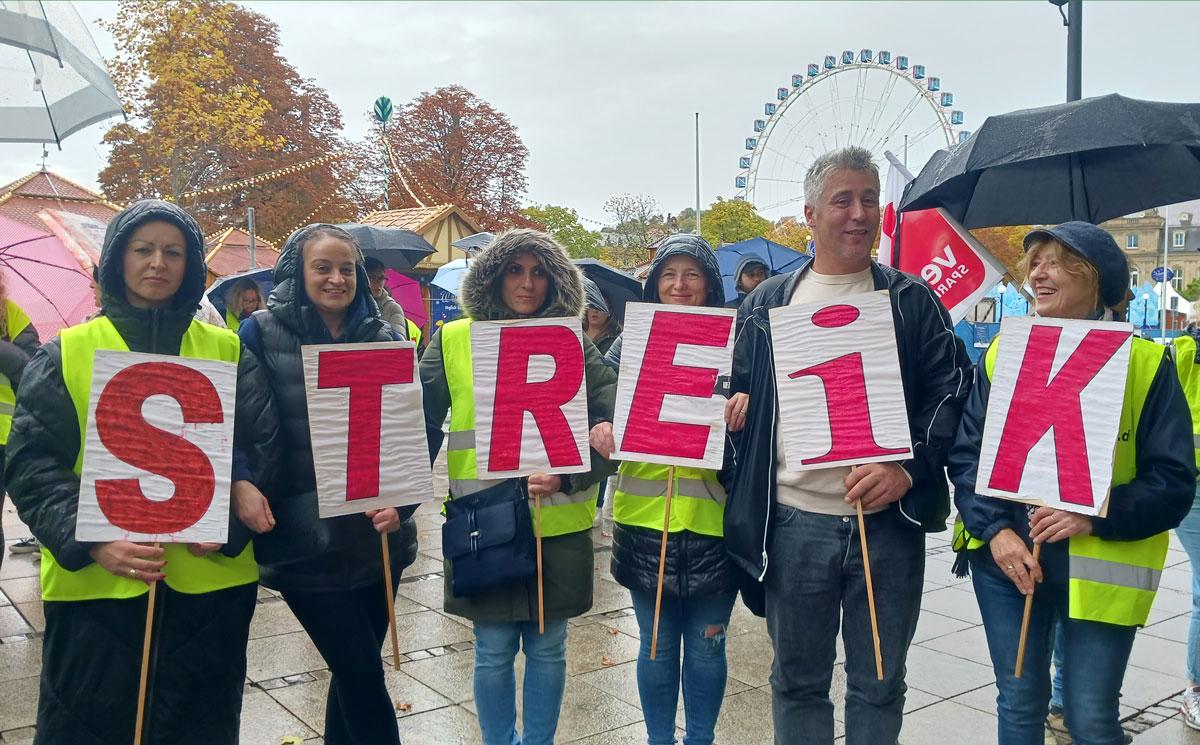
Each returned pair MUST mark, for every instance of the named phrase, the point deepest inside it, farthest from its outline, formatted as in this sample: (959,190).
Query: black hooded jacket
(936,377)
(696,564)
(303,552)
(45,437)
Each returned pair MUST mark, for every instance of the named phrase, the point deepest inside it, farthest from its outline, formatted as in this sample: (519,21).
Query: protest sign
(158,449)
(1052,422)
(367,426)
(837,375)
(667,410)
(530,397)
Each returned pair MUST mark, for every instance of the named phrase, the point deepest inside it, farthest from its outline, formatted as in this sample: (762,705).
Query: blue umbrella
(217,291)
(778,258)
(450,276)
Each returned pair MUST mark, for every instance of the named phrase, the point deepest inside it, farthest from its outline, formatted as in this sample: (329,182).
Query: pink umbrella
(43,277)
(407,292)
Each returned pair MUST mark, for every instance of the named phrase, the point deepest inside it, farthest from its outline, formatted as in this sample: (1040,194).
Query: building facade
(1141,235)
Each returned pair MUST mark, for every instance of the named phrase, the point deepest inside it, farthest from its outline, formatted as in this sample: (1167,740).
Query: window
(1135,277)
(1177,239)
(1131,240)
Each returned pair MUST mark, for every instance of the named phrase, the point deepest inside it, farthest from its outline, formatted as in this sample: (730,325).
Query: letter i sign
(837,377)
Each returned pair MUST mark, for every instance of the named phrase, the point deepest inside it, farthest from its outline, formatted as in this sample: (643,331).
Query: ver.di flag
(934,246)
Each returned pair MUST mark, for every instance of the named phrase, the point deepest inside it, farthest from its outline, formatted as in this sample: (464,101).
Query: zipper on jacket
(770,496)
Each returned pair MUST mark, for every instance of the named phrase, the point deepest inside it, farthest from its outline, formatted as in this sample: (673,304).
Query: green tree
(563,223)
(730,221)
(1192,291)
(638,223)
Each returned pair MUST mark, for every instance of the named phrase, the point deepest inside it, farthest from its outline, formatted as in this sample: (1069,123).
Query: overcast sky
(604,94)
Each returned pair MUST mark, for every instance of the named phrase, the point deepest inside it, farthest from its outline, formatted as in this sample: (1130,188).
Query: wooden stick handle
(862,537)
(662,560)
(144,676)
(391,598)
(537,532)
(1037,553)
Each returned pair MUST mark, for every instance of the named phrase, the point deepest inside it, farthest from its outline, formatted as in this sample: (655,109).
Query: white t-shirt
(821,490)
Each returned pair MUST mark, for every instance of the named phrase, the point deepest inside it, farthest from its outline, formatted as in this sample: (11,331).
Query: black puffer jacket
(936,376)
(696,564)
(304,553)
(45,436)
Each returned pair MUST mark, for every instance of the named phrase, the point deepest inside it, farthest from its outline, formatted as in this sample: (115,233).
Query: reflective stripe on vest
(185,573)
(1115,581)
(561,513)
(697,504)
(1189,378)
(16,322)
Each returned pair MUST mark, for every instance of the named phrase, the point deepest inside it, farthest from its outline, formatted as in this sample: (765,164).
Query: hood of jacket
(157,330)
(289,301)
(481,288)
(743,265)
(692,246)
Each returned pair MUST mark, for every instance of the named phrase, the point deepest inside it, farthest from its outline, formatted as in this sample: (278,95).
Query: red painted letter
(1039,404)
(645,432)
(515,395)
(365,372)
(128,436)
(851,433)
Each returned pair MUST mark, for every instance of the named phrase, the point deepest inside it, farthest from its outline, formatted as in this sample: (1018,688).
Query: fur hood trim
(481,287)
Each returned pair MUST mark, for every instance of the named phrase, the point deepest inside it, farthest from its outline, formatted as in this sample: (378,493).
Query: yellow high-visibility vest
(561,513)
(1110,581)
(185,573)
(697,504)
(17,322)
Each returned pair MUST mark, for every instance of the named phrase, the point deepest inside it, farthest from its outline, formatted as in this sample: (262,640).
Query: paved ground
(951,696)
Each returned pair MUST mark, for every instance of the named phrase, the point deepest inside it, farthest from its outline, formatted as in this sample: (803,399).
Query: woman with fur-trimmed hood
(521,274)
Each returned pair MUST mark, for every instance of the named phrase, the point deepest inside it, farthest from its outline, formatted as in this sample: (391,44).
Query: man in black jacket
(803,521)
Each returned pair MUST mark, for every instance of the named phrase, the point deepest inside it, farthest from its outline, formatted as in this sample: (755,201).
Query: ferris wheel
(872,99)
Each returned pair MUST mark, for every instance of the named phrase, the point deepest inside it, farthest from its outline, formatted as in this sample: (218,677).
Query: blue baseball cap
(1100,250)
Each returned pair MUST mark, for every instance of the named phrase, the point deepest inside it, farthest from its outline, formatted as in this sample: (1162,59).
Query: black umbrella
(1091,160)
(397,248)
(618,287)
(473,243)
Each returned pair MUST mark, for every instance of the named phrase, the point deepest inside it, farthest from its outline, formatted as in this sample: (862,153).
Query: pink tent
(407,292)
(43,277)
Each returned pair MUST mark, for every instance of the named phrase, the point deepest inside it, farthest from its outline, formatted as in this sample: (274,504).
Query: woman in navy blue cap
(1098,574)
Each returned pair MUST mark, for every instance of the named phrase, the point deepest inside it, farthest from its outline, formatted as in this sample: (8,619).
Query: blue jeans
(1056,697)
(496,646)
(1094,660)
(1189,535)
(815,580)
(700,622)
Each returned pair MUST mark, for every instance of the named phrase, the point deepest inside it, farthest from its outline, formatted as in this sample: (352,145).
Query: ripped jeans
(700,623)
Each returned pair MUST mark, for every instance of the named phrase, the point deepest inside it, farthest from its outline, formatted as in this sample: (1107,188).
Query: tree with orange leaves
(1004,242)
(211,102)
(452,147)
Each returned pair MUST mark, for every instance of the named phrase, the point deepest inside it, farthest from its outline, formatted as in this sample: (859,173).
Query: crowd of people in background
(786,541)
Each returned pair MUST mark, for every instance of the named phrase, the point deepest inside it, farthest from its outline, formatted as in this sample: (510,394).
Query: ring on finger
(132,572)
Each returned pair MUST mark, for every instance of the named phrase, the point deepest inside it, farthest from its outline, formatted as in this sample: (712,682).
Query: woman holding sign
(699,586)
(329,571)
(1099,574)
(522,274)
(151,274)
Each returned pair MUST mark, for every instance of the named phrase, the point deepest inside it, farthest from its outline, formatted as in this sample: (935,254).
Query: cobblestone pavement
(951,692)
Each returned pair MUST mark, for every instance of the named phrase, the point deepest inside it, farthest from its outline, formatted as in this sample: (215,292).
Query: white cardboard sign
(667,411)
(837,377)
(158,449)
(530,397)
(367,426)
(1052,416)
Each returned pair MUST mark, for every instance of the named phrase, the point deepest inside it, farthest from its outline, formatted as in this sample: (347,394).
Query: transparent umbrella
(52,78)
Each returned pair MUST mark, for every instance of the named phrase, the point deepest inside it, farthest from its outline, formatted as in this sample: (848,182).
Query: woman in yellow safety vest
(152,276)
(244,298)
(521,274)
(1098,574)
(18,342)
(699,585)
